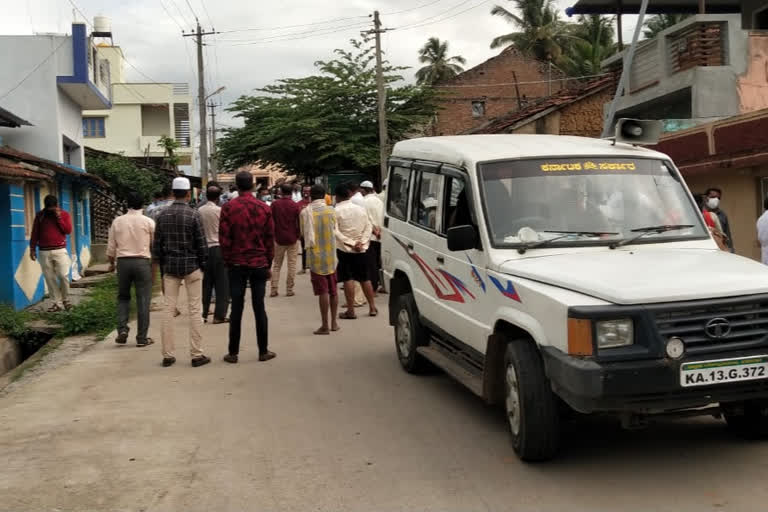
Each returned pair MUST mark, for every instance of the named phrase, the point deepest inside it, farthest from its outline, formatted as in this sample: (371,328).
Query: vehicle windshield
(598,200)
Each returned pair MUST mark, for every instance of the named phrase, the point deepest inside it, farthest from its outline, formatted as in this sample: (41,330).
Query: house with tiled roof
(577,110)
(507,81)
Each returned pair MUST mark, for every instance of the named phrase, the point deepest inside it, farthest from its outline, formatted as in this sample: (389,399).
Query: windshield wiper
(564,234)
(648,230)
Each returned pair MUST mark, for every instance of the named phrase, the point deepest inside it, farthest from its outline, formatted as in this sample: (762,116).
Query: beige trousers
(282,252)
(194,285)
(55,265)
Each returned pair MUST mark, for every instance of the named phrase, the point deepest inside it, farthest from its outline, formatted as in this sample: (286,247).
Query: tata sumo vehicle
(553,273)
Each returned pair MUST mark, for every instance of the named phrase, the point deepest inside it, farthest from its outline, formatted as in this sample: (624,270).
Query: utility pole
(382,99)
(198,35)
(214,169)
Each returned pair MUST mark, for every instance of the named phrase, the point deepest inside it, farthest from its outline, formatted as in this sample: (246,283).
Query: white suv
(551,273)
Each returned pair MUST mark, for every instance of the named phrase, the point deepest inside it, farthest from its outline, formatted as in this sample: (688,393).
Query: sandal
(147,343)
(273,294)
(220,321)
(374,313)
(322,332)
(54,309)
(347,316)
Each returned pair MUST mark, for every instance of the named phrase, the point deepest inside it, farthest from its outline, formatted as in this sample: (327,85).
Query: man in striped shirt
(318,224)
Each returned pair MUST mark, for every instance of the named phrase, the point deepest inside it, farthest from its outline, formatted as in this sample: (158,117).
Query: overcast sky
(151,38)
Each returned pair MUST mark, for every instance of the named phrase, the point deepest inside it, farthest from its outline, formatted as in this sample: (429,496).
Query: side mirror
(462,238)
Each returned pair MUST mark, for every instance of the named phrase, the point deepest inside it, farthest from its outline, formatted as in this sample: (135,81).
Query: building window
(478,109)
(30,208)
(93,127)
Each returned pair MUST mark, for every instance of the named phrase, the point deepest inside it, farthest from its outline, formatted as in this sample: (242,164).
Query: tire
(752,424)
(530,404)
(410,334)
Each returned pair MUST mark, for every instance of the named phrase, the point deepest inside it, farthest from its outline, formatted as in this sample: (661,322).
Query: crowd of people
(239,239)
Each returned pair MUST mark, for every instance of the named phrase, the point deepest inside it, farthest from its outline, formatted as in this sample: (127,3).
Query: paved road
(332,424)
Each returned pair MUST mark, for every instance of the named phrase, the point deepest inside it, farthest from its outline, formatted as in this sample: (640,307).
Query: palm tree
(659,22)
(439,66)
(591,42)
(540,31)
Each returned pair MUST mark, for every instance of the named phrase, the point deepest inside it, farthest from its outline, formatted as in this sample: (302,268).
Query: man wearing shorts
(318,225)
(353,237)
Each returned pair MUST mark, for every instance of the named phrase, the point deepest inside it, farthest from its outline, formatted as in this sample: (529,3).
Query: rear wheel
(409,334)
(749,419)
(531,407)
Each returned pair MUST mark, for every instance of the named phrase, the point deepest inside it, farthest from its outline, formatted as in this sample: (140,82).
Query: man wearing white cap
(375,208)
(180,249)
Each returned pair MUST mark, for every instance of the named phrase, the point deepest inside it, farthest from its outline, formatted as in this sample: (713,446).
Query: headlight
(614,333)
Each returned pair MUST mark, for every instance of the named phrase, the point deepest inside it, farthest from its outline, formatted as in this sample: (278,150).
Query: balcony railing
(698,45)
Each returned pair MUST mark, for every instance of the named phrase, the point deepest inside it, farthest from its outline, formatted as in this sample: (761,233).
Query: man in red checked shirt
(49,233)
(247,241)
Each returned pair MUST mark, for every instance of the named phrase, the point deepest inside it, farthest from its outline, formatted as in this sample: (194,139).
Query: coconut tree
(590,43)
(539,32)
(439,66)
(659,22)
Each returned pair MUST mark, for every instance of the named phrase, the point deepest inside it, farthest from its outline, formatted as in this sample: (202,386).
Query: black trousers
(135,272)
(374,262)
(303,255)
(239,278)
(215,278)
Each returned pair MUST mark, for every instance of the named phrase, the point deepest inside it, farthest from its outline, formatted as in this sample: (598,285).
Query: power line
(181,14)
(293,26)
(65,40)
(81,13)
(522,83)
(433,2)
(171,16)
(299,35)
(191,9)
(425,21)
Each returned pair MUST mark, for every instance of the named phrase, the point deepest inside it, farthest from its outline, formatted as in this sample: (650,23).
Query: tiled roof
(13,169)
(557,101)
(14,155)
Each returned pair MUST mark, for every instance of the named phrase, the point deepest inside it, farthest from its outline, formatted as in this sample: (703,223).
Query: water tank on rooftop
(102,26)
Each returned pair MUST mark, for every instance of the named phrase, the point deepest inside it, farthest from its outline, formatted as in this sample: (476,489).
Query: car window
(427,200)
(456,212)
(397,196)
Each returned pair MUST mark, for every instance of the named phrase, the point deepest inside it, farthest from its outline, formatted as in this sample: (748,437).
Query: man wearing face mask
(713,205)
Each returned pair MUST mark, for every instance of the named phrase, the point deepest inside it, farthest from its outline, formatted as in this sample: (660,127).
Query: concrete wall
(116,62)
(455,114)
(36,100)
(71,126)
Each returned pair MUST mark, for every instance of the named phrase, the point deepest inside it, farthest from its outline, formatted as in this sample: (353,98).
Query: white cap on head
(366,184)
(181,184)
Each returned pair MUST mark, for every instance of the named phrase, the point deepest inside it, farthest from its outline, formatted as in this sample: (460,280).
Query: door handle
(440,259)
(410,245)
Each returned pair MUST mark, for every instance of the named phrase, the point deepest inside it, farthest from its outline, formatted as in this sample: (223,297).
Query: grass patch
(97,314)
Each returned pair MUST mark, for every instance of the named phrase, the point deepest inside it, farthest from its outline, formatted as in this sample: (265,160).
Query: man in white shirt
(353,236)
(357,196)
(375,208)
(129,249)
(215,272)
(762,232)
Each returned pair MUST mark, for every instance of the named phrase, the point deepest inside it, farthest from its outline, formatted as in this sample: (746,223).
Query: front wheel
(409,334)
(531,407)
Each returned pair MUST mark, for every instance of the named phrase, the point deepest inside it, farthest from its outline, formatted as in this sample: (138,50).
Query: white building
(141,114)
(48,80)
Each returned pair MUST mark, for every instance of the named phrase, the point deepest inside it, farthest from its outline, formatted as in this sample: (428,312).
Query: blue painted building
(25,180)
(47,81)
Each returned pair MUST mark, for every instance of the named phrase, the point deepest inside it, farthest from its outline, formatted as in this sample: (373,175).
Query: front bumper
(640,386)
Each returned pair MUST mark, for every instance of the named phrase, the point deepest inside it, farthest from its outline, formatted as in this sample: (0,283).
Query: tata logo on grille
(718,328)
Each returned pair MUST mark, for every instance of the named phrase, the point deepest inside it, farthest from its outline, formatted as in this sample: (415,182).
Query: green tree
(327,121)
(655,24)
(591,42)
(540,32)
(123,176)
(439,66)
(169,145)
